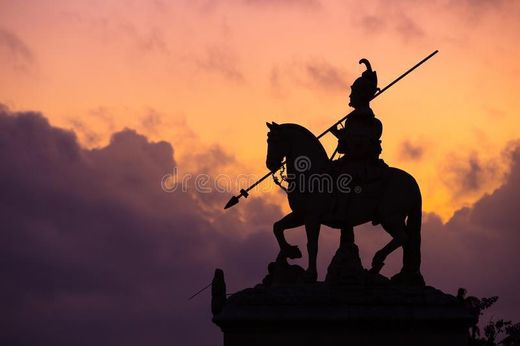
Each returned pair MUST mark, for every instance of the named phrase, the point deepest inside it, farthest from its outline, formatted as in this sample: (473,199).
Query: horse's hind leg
(412,248)
(410,274)
(379,258)
(312,227)
(287,250)
(396,228)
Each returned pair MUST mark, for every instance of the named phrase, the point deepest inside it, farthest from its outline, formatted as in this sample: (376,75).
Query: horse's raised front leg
(312,228)
(287,250)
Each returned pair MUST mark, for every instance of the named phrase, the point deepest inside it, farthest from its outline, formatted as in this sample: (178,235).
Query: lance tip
(232,201)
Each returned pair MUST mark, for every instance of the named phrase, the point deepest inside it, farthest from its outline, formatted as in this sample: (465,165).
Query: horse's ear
(275,123)
(270,126)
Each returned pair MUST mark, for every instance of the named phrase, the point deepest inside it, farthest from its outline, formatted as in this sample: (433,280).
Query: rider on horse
(359,140)
(360,143)
(384,195)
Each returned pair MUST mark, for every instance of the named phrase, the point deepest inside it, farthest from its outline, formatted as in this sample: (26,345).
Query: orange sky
(206,73)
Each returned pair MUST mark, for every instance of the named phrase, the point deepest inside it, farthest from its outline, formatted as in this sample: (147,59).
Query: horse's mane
(308,134)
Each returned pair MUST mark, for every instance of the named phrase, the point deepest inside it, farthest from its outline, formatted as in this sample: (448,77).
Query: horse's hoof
(292,252)
(376,267)
(408,279)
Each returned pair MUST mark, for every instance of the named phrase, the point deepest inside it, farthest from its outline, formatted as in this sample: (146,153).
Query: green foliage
(496,333)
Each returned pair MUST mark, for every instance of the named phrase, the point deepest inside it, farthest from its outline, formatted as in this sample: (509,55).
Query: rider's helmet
(365,87)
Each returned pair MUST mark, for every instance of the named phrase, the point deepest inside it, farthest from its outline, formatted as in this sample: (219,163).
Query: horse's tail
(412,260)
(413,223)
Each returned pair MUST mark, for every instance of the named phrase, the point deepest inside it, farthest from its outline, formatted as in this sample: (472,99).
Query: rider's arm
(336,131)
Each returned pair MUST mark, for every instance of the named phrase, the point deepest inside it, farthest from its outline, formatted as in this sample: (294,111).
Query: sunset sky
(205,76)
(210,73)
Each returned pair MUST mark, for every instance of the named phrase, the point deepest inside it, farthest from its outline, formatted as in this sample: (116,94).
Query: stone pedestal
(324,314)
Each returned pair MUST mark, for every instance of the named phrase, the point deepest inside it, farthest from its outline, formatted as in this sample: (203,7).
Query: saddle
(368,179)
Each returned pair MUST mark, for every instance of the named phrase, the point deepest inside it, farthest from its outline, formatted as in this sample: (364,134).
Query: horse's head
(294,142)
(276,146)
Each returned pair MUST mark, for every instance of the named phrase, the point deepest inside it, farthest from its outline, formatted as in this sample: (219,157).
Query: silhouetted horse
(396,204)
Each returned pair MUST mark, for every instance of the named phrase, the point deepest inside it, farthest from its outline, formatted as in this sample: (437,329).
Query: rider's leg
(289,221)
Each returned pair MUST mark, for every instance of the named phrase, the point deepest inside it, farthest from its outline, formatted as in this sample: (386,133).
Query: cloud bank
(95,252)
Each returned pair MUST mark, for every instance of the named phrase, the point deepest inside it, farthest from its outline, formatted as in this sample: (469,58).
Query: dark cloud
(373,24)
(479,5)
(87,135)
(389,17)
(95,252)
(408,28)
(213,158)
(161,6)
(154,40)
(316,75)
(103,114)
(292,3)
(222,61)
(411,151)
(15,50)
(152,121)
(211,6)
(476,249)
(147,41)
(110,30)
(324,75)
(469,175)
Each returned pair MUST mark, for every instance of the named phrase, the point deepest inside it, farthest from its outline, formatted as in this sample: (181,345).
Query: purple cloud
(325,76)
(313,4)
(476,249)
(469,175)
(411,151)
(16,51)
(313,74)
(222,61)
(95,252)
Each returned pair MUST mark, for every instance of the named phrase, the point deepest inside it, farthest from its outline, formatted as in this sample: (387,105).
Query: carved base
(322,314)
(346,267)
(281,272)
(358,335)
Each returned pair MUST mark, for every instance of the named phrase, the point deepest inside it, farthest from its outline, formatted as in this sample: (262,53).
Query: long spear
(244,192)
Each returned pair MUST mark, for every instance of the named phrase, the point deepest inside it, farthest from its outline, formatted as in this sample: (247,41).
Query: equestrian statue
(342,193)
(357,188)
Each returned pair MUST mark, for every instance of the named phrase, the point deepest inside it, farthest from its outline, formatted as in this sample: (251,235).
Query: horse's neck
(307,147)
